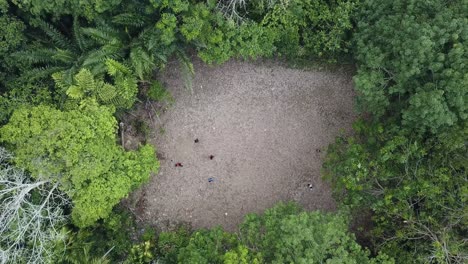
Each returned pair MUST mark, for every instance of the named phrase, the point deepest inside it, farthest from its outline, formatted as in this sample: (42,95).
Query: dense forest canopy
(69,69)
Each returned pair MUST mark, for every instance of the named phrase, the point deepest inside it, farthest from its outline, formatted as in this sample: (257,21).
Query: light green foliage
(310,27)
(286,234)
(77,149)
(167,26)
(241,255)
(193,24)
(208,246)
(121,94)
(141,253)
(418,61)
(23,94)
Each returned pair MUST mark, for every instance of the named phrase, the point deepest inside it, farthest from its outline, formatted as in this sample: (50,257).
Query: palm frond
(85,80)
(115,68)
(127,90)
(36,56)
(129,19)
(148,38)
(101,55)
(60,83)
(103,35)
(64,56)
(142,62)
(68,74)
(56,36)
(40,73)
(82,43)
(106,92)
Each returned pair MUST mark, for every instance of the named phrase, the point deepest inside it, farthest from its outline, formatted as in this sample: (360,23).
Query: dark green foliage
(111,236)
(87,8)
(67,65)
(310,27)
(416,190)
(157,92)
(142,128)
(416,68)
(408,161)
(169,244)
(11,38)
(219,39)
(11,34)
(287,234)
(283,234)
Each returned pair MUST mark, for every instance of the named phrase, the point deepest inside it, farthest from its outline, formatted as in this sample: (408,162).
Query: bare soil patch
(267,128)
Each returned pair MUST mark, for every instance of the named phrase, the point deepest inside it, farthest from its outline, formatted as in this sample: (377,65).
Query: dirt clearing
(265,127)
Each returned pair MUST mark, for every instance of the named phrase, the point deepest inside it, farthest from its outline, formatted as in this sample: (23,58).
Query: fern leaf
(114,68)
(69,74)
(106,92)
(141,62)
(64,56)
(148,38)
(75,92)
(56,36)
(82,43)
(60,83)
(129,19)
(98,69)
(40,73)
(101,55)
(36,56)
(127,90)
(85,81)
(101,35)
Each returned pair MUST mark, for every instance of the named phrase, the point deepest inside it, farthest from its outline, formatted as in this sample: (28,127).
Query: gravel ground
(267,127)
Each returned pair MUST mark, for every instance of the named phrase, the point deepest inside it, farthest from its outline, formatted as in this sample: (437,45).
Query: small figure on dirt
(211,179)
(211,157)
(178,164)
(196,140)
(310,186)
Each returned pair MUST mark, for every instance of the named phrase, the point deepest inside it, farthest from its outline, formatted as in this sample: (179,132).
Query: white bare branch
(31,216)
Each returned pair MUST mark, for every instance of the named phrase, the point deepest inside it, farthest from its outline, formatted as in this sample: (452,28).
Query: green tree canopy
(283,234)
(77,148)
(287,234)
(412,62)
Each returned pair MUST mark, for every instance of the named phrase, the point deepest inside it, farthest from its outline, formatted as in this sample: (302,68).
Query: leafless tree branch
(31,215)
